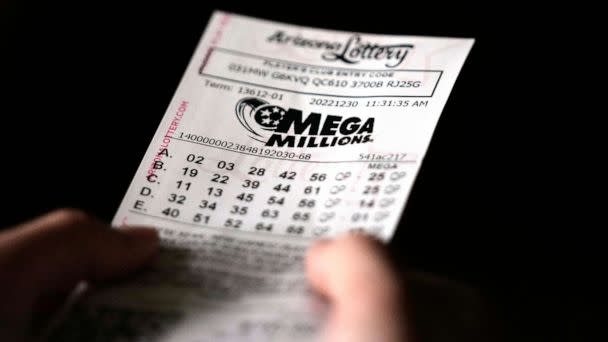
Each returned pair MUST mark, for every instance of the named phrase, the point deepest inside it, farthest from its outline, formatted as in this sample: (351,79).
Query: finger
(59,249)
(364,292)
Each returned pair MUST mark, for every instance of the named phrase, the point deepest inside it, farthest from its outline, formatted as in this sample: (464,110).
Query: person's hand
(45,258)
(365,294)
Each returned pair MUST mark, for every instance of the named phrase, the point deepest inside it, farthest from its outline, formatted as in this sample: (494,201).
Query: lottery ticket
(277,135)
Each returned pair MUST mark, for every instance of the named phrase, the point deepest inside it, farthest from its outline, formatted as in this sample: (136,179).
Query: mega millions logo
(274,125)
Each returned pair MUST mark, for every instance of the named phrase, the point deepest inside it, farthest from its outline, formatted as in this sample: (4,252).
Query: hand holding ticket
(278,135)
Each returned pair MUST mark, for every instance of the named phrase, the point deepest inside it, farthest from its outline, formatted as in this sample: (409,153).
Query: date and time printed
(318,101)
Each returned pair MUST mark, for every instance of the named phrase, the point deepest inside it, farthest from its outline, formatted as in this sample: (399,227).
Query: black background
(85,86)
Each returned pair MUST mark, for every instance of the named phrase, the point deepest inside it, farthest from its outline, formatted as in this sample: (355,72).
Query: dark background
(496,204)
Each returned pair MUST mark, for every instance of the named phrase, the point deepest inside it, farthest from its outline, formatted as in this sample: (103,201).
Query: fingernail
(318,247)
(321,242)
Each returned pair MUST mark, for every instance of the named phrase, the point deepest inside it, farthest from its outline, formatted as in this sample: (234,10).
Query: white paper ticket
(276,136)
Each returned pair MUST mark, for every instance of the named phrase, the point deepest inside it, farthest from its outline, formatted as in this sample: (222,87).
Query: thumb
(365,295)
(54,252)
